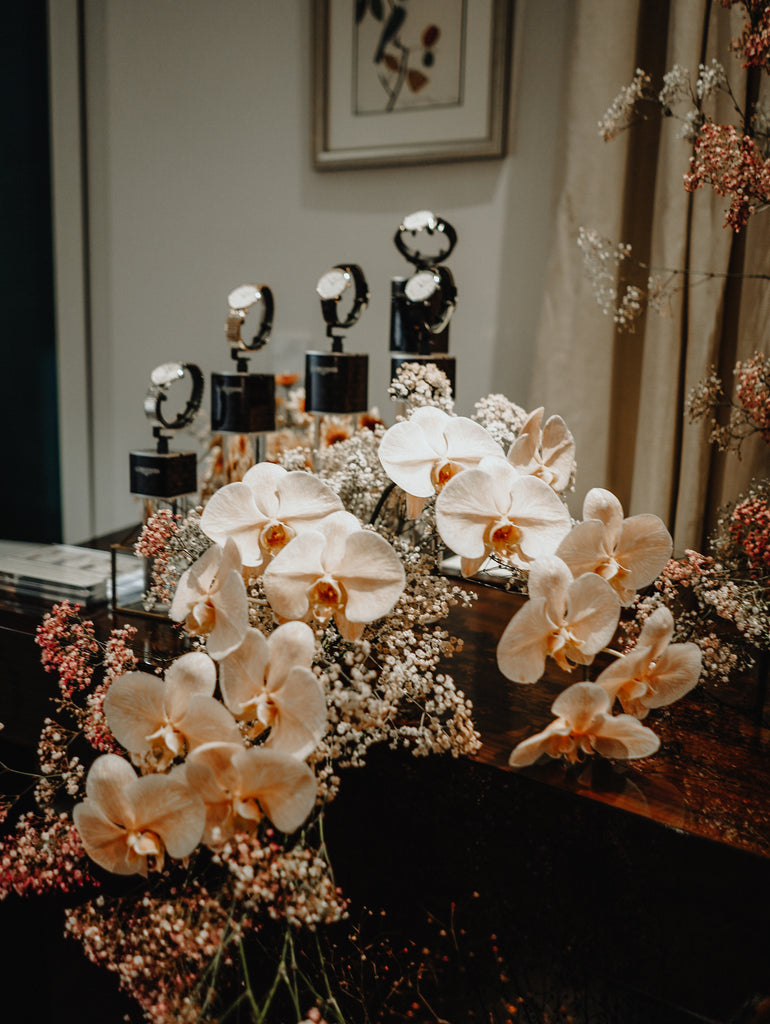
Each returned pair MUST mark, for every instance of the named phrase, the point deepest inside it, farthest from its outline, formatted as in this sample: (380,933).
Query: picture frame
(400,84)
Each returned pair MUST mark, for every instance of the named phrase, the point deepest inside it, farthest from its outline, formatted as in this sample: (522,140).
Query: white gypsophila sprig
(676,87)
(711,79)
(621,113)
(501,418)
(353,471)
(418,384)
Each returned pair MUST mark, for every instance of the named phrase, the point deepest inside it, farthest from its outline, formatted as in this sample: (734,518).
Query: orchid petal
(533,748)
(407,457)
(584,548)
(593,612)
(464,509)
(172,810)
(676,672)
(524,449)
(622,736)
(470,566)
(105,842)
(581,705)
(657,632)
(336,531)
(232,512)
(135,708)
(284,786)
(107,782)
(373,576)
(522,648)
(550,580)
(301,714)
(468,442)
(242,672)
(603,505)
(232,616)
(624,671)
(643,548)
(207,721)
(540,514)
(304,500)
(558,452)
(288,646)
(264,480)
(292,572)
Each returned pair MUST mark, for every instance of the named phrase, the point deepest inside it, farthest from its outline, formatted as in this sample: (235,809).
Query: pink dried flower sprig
(43,854)
(69,647)
(749,412)
(753,44)
(732,163)
(750,529)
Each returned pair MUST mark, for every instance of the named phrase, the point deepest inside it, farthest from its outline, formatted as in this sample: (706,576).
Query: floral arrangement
(731,159)
(309,606)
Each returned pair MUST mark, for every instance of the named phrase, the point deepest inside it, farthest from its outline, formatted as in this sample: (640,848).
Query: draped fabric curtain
(623,394)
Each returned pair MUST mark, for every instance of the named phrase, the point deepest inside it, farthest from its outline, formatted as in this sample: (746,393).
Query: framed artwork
(411,82)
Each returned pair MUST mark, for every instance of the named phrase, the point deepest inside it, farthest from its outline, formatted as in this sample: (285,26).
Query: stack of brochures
(46,573)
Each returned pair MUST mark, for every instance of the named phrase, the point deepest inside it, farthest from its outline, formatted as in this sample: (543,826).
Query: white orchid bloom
(423,453)
(656,672)
(210,599)
(269,681)
(338,570)
(569,620)
(127,823)
(492,510)
(239,786)
(585,726)
(157,720)
(548,454)
(265,510)
(628,553)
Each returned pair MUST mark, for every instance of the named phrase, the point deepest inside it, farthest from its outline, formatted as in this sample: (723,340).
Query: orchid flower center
(172,741)
(146,843)
(325,597)
(247,808)
(202,617)
(274,537)
(266,709)
(443,472)
(503,538)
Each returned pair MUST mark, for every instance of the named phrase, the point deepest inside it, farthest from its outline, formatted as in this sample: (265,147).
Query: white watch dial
(419,220)
(243,296)
(166,374)
(421,286)
(333,283)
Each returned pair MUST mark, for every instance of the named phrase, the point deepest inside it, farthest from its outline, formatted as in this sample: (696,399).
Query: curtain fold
(623,394)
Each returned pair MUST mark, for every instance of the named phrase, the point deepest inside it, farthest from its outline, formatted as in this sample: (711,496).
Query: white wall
(200,178)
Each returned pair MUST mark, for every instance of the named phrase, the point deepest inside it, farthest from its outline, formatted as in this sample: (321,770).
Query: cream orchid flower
(269,681)
(127,823)
(338,570)
(265,510)
(211,600)
(492,510)
(548,454)
(585,726)
(569,620)
(239,786)
(158,720)
(424,452)
(629,553)
(656,672)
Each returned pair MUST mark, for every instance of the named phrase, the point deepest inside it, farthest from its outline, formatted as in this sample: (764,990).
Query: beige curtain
(622,394)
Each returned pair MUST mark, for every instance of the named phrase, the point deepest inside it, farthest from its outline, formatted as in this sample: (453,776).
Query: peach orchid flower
(239,786)
(585,726)
(211,600)
(265,510)
(338,570)
(656,672)
(127,823)
(569,620)
(548,454)
(628,553)
(422,453)
(157,720)
(269,681)
(492,510)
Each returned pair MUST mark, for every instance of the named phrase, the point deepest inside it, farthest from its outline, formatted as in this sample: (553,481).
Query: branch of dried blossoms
(171,543)
(748,414)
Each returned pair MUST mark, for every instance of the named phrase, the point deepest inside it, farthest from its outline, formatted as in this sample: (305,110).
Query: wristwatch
(332,286)
(414,225)
(161,379)
(240,301)
(432,297)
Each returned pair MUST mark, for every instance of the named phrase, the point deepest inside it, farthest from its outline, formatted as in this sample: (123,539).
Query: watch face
(166,374)
(419,220)
(421,286)
(243,296)
(333,283)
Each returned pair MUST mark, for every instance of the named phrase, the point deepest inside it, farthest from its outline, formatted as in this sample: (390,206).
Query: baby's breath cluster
(501,417)
(418,384)
(171,543)
(43,855)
